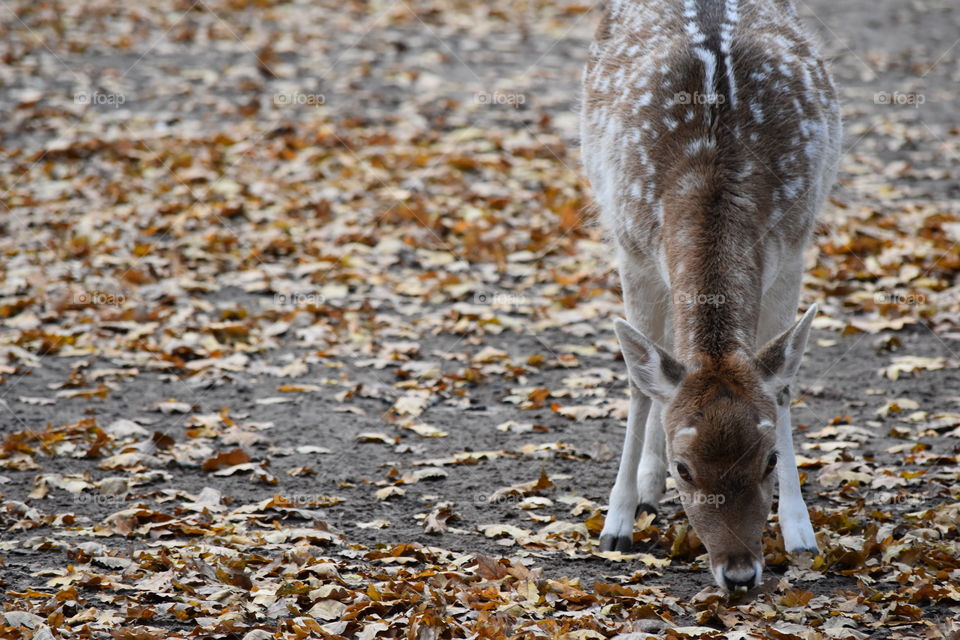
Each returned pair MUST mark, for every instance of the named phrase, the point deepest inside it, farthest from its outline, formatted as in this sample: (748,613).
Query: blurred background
(217,138)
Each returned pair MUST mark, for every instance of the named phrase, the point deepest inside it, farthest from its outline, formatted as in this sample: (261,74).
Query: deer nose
(735,578)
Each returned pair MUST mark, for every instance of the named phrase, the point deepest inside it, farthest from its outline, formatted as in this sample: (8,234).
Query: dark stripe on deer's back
(710,18)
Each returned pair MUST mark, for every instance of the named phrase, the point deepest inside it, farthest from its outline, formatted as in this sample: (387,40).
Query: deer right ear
(654,371)
(779,361)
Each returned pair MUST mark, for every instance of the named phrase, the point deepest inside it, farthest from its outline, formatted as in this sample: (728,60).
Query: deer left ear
(780,359)
(655,372)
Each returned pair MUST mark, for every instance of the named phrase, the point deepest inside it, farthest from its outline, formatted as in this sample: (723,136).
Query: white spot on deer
(746,171)
(808,84)
(732,15)
(786,162)
(732,12)
(726,37)
(731,81)
(691,27)
(709,68)
(658,210)
(618,78)
(792,187)
(695,34)
(783,42)
(699,146)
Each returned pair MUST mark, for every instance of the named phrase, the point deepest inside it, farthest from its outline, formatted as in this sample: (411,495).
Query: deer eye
(771,464)
(684,473)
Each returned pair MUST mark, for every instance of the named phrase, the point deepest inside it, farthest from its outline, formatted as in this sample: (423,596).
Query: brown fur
(725,400)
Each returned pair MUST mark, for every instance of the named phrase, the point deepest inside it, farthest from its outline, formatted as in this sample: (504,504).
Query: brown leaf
(225,459)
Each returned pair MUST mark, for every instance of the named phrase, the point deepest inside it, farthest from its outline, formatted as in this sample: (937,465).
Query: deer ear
(650,368)
(779,361)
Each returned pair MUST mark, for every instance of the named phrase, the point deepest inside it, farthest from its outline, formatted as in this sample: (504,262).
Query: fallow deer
(710,133)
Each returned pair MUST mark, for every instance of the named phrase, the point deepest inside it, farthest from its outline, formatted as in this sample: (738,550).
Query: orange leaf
(227,459)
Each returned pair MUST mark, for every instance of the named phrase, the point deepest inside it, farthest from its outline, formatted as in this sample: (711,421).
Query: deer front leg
(644,299)
(795,524)
(617,534)
(779,304)
(652,476)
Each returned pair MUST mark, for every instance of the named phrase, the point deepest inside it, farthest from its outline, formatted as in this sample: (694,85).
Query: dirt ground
(188,73)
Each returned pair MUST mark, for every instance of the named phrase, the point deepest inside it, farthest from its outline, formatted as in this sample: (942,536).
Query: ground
(306,330)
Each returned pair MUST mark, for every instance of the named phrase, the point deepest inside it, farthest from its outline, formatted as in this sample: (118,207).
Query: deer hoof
(648,508)
(812,550)
(622,544)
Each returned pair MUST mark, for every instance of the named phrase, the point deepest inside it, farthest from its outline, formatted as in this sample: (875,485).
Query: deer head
(720,417)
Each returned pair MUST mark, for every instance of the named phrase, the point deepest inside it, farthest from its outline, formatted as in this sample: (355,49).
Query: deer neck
(715,261)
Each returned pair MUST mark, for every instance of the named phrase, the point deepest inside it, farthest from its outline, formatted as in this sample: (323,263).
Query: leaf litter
(411,249)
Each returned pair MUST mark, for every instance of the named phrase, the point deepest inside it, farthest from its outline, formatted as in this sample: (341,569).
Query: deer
(710,135)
